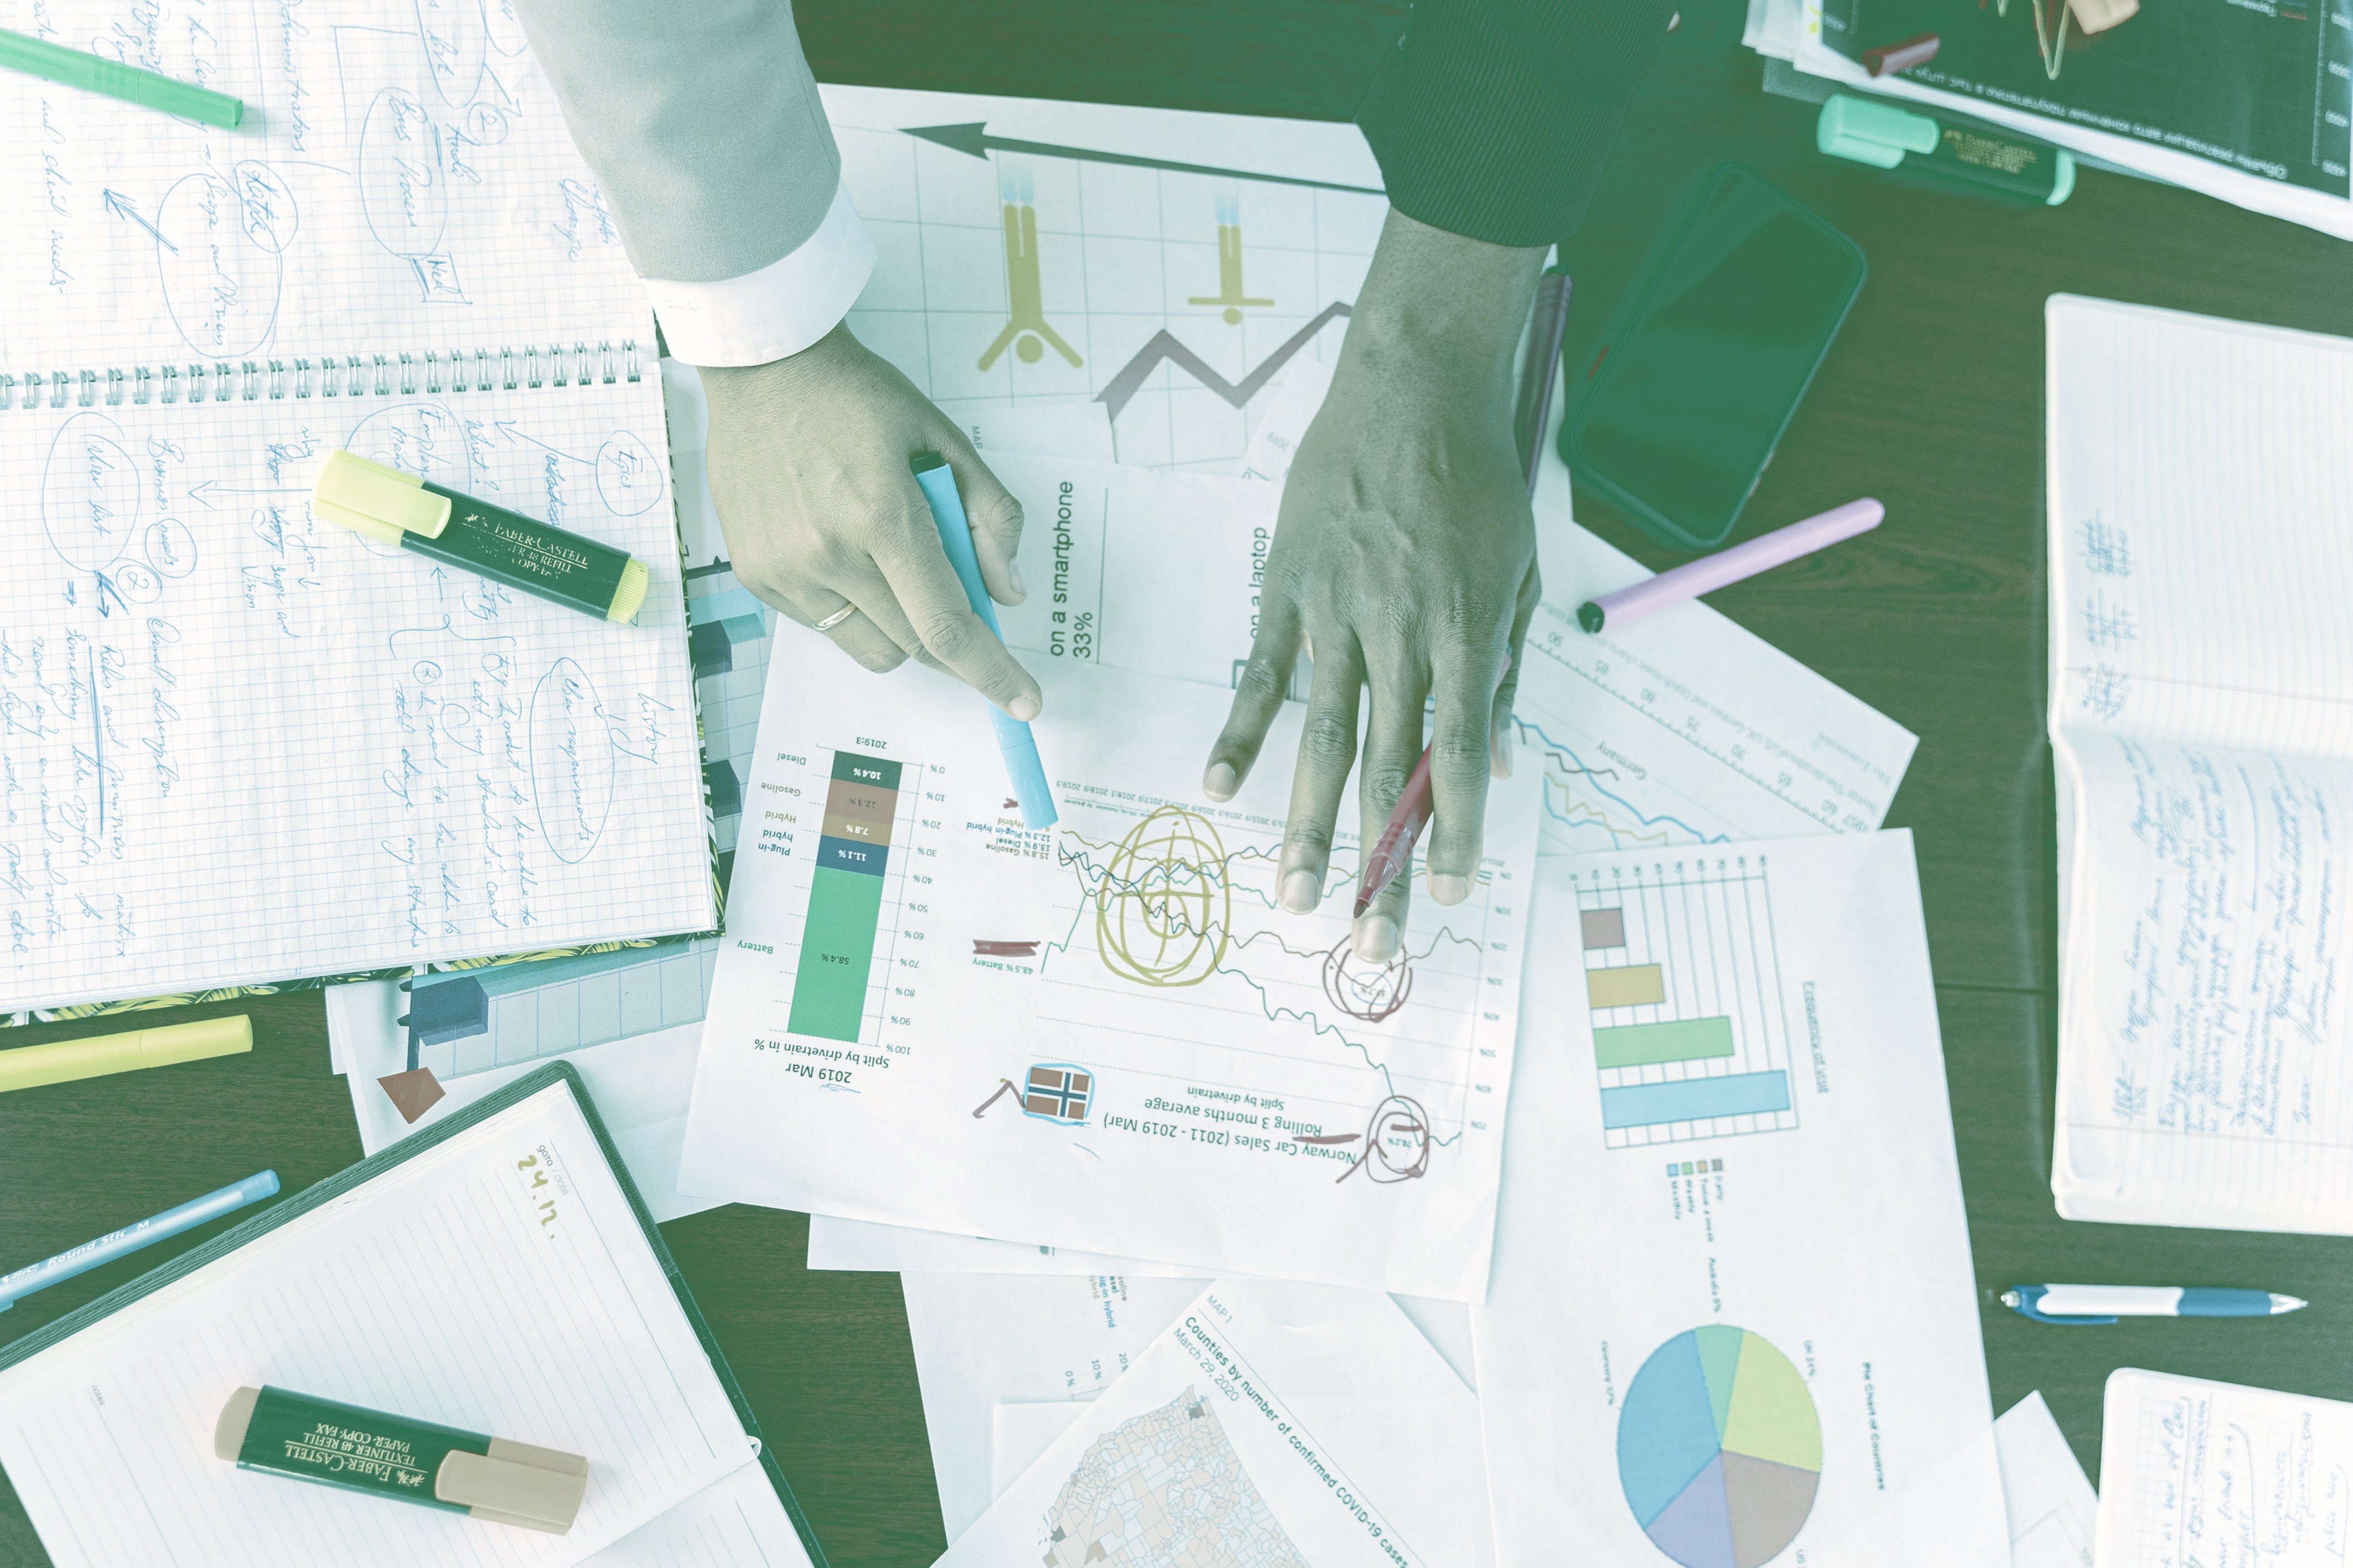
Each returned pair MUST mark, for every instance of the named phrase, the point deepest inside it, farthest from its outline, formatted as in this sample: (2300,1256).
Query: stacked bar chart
(1689,1035)
(845,900)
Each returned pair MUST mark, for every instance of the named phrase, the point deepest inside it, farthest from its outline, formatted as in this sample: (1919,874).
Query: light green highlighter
(53,62)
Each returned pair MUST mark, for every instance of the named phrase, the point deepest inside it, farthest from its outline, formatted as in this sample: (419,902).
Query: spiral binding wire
(431,374)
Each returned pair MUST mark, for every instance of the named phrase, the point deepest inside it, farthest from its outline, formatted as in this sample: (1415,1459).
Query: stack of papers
(2252,103)
(1197,1215)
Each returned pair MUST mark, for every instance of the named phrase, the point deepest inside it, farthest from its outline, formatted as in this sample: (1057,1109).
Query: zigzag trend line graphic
(1164,345)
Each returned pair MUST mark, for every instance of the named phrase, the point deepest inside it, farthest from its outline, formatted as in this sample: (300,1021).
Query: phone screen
(1695,395)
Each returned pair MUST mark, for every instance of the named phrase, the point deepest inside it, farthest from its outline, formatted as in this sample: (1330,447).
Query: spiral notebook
(499,1273)
(240,744)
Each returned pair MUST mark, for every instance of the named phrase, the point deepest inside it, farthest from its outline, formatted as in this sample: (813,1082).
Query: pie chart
(1719,1449)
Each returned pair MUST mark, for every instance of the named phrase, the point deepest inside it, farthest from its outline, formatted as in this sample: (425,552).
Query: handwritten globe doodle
(1163,910)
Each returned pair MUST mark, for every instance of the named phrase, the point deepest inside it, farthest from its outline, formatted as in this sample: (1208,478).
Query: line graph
(1168,933)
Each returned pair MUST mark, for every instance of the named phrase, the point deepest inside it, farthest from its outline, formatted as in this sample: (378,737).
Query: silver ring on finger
(836,619)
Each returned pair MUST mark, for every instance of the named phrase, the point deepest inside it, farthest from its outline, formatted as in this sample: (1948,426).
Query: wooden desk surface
(1931,400)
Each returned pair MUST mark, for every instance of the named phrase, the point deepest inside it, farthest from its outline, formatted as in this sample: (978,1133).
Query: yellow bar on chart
(1636,985)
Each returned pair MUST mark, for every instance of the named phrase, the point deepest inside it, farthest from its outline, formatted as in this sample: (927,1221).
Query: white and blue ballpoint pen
(2089,1304)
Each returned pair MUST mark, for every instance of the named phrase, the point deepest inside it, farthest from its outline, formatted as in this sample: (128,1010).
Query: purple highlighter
(1709,573)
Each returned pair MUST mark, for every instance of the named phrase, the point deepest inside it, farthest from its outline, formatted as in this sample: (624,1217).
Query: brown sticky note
(412,1094)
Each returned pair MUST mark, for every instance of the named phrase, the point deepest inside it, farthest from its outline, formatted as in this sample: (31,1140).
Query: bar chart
(845,900)
(1682,980)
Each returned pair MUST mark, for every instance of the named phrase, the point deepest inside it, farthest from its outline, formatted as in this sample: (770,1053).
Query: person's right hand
(809,466)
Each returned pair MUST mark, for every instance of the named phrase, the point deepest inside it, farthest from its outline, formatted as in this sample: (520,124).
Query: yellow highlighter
(30,1067)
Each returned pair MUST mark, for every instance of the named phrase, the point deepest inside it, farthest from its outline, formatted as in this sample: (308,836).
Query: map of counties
(1166,1490)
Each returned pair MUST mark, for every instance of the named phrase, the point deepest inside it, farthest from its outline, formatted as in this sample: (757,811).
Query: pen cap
(515,1483)
(1866,130)
(379,502)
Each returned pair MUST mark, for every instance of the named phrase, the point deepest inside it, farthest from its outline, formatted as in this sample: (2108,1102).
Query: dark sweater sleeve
(1492,118)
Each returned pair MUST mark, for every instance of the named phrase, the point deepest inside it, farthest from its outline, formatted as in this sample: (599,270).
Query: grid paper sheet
(402,183)
(240,744)
(498,1283)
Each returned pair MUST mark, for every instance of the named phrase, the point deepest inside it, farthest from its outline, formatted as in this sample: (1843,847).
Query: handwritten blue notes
(238,744)
(2202,720)
(403,181)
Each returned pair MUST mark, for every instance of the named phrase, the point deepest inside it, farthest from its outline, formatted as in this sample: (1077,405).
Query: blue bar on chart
(1694,1100)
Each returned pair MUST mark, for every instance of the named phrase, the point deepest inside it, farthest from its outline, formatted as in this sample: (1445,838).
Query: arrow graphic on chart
(121,205)
(1164,345)
(973,139)
(506,428)
(203,491)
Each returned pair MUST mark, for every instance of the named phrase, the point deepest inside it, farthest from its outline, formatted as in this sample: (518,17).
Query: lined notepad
(499,1283)
(2195,1473)
(239,745)
(2202,723)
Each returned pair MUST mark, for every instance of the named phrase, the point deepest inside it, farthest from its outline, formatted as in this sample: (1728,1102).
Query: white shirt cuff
(780,310)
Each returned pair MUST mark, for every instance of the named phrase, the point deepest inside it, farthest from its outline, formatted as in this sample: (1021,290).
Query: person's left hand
(1404,561)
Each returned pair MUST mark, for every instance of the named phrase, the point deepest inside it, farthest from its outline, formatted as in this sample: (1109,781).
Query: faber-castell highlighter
(465,531)
(284,1432)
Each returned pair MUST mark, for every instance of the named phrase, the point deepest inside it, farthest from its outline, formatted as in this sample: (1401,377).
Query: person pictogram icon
(1025,291)
(1229,259)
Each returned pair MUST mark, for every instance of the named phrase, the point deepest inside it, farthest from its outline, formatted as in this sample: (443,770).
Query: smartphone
(1699,375)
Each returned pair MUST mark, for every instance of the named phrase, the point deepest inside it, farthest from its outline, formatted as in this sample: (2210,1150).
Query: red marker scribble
(981,949)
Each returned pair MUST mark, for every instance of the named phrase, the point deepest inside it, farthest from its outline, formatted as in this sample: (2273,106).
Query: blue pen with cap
(1013,738)
(90,1255)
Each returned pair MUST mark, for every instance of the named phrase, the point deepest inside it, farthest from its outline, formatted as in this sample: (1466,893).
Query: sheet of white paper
(1271,1424)
(860,1245)
(2052,1506)
(2204,756)
(530,1311)
(1721,1042)
(737,1522)
(2195,1473)
(1167,302)
(285,750)
(639,1083)
(1246,1094)
(982,1341)
(401,181)
(1020,1436)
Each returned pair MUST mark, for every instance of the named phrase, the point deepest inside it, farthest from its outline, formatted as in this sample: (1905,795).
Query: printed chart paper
(2053,1509)
(1037,253)
(1105,1037)
(1272,1425)
(1733,1092)
(985,1341)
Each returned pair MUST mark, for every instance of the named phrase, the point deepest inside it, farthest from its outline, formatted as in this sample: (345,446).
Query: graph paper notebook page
(1271,1426)
(1732,1088)
(2200,537)
(246,745)
(2193,1473)
(401,181)
(498,1282)
(1105,1037)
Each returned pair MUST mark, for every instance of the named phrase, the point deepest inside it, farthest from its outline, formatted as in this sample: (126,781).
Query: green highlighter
(52,62)
(362,1450)
(2012,170)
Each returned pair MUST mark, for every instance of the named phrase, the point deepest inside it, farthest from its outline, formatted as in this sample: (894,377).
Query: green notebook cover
(344,1180)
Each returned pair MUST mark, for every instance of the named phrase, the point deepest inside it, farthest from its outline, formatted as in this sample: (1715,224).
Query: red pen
(1393,855)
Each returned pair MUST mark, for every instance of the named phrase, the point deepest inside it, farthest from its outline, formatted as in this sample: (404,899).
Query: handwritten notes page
(2202,718)
(402,183)
(2195,1474)
(498,1283)
(240,744)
